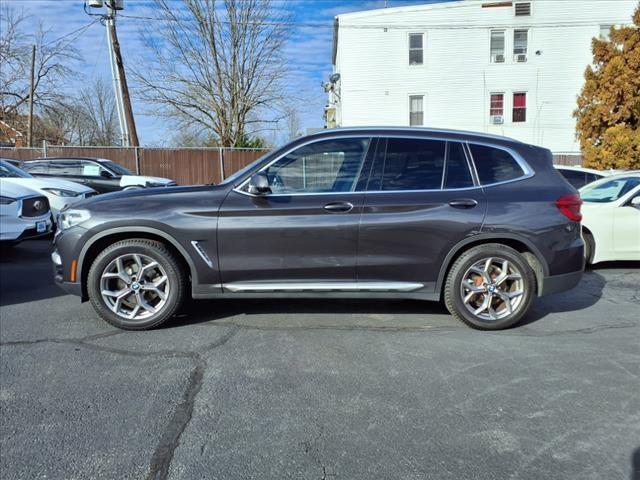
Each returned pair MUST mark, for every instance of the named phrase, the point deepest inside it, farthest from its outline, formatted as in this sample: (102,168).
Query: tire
(145,264)
(466,281)
(133,187)
(589,247)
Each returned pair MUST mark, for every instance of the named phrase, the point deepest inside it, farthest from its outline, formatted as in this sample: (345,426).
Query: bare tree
(217,67)
(88,118)
(294,128)
(98,121)
(53,65)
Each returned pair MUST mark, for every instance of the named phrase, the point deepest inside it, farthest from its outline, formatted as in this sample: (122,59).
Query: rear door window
(494,165)
(457,173)
(35,167)
(70,168)
(409,164)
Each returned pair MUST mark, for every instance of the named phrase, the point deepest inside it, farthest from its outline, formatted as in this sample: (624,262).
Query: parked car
(100,174)
(611,224)
(579,176)
(60,193)
(484,222)
(24,213)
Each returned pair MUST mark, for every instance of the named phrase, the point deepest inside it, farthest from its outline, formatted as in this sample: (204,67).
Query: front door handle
(463,203)
(338,207)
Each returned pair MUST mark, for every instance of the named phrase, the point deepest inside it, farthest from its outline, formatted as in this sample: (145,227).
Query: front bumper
(72,288)
(559,283)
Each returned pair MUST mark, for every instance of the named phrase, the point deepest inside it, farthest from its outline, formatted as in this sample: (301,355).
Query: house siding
(457,76)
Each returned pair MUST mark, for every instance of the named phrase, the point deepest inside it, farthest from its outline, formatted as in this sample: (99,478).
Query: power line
(81,30)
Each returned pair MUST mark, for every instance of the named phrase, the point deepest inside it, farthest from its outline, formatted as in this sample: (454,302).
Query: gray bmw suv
(483,223)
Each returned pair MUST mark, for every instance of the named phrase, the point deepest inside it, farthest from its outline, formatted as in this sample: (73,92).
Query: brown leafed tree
(215,66)
(608,113)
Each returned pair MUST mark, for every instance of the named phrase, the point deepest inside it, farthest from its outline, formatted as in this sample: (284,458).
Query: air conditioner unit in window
(497,58)
(497,119)
(521,58)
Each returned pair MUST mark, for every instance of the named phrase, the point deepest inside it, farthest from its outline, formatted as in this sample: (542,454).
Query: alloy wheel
(134,286)
(492,288)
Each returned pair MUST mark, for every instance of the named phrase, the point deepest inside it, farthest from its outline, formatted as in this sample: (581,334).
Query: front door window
(329,166)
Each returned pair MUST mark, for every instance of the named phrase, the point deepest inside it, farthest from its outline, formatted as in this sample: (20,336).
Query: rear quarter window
(494,165)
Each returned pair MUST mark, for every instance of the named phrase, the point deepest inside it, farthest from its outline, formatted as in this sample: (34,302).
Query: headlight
(6,200)
(62,193)
(72,217)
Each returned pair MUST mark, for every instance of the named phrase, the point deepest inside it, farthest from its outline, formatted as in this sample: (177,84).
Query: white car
(60,193)
(611,218)
(24,213)
(580,176)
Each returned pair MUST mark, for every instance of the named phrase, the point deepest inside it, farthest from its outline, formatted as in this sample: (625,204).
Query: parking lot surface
(305,389)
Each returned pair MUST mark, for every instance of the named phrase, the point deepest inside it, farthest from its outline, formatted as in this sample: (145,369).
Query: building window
(496,107)
(416,110)
(520,107)
(520,40)
(416,50)
(523,9)
(605,31)
(497,46)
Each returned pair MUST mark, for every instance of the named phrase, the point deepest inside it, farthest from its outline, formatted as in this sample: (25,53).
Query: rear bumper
(559,283)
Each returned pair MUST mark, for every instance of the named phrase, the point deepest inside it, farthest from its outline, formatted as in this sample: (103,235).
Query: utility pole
(31,92)
(126,119)
(132,140)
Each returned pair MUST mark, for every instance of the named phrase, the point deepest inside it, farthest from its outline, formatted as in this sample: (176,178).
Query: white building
(510,68)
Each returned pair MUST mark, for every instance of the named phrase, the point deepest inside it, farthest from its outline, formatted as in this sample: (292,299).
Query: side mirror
(105,174)
(635,202)
(259,184)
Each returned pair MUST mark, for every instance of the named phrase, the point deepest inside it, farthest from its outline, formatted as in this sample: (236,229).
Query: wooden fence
(187,166)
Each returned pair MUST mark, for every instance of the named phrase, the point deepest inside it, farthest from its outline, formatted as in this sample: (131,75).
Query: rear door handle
(463,203)
(338,207)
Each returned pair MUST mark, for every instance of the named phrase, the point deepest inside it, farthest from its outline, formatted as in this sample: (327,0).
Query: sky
(308,52)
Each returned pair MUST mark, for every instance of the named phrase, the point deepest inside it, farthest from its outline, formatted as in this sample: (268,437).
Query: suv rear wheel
(489,287)
(136,284)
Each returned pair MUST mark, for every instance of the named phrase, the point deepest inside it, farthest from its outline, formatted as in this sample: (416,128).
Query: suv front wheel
(489,287)
(136,284)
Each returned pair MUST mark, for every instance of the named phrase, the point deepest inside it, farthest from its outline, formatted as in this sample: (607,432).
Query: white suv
(24,213)
(61,193)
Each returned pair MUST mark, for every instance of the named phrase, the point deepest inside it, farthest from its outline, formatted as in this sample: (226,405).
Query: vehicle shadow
(372,312)
(586,294)
(627,264)
(635,464)
(317,312)
(25,273)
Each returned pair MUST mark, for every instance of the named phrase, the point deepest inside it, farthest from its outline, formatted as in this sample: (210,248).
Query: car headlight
(62,193)
(6,200)
(72,217)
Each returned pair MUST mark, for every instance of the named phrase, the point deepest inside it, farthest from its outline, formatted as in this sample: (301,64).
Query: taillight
(569,206)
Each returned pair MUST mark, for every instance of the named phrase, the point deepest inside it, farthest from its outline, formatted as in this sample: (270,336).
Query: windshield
(117,168)
(9,171)
(605,191)
(242,171)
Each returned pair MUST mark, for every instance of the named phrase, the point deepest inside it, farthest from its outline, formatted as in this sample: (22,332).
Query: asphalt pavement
(300,389)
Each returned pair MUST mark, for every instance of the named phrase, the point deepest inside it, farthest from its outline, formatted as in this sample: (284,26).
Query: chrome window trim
(528,171)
